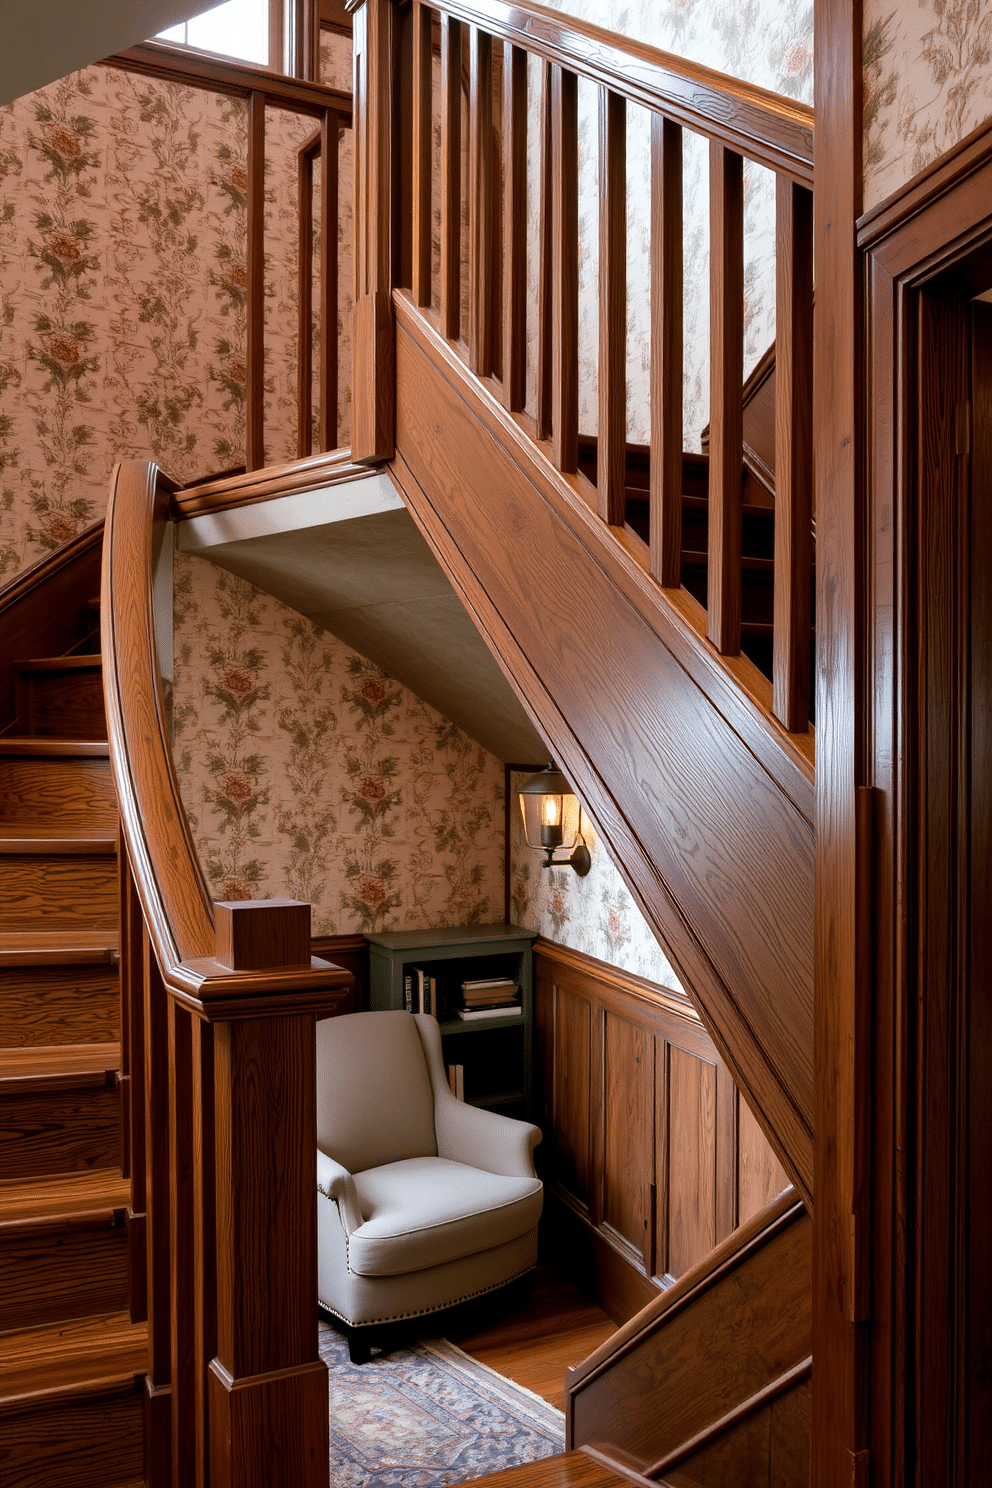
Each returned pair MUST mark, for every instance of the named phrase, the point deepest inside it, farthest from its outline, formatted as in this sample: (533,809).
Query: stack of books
(490,997)
(420,991)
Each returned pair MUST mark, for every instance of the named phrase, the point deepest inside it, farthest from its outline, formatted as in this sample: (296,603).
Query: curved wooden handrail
(773,131)
(230,75)
(173,892)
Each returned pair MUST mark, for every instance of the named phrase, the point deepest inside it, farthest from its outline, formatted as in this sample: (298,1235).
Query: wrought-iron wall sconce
(552,820)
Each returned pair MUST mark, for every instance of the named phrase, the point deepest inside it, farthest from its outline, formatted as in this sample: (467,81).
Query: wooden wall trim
(231,76)
(625,982)
(941,176)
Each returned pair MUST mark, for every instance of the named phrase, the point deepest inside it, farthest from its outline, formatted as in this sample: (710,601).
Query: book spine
(408,992)
(420,989)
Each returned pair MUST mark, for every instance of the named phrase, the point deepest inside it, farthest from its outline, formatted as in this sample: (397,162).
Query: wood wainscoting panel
(627,1112)
(572,1096)
(649,1148)
(690,1159)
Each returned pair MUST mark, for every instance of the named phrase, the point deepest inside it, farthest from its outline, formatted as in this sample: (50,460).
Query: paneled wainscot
(650,1156)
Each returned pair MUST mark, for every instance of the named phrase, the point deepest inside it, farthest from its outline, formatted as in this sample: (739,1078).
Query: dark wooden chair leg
(360,1345)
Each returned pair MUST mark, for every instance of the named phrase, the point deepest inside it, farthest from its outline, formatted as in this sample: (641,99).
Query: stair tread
(49,1066)
(57,947)
(90,661)
(567,1470)
(50,748)
(62,1198)
(64,1357)
(58,838)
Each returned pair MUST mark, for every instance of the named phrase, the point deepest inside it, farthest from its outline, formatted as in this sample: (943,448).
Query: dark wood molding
(943,175)
(334,468)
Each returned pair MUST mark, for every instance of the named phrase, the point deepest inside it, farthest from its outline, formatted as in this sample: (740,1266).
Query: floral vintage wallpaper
(767,42)
(595,914)
(122,293)
(305,771)
(927,84)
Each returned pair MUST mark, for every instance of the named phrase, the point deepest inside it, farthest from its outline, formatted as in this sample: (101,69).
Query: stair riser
(54,1131)
(58,1005)
(48,1278)
(58,892)
(62,792)
(64,705)
(75,1444)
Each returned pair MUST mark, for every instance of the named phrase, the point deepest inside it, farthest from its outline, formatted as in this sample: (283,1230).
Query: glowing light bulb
(550,811)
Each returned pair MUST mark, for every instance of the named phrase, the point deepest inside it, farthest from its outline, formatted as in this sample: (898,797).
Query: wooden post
(373,379)
(329,281)
(304,393)
(723,602)
(255,375)
(158,1381)
(514,307)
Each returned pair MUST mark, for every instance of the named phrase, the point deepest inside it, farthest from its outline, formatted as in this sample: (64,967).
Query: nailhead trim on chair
(399,1317)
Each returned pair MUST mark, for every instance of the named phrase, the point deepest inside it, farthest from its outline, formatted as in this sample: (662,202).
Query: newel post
(267,1386)
(373,404)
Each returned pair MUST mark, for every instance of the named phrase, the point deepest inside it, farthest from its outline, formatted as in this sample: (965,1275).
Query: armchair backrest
(375,1103)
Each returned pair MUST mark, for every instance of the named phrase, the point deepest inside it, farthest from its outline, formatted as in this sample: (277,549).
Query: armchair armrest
(337,1184)
(483,1139)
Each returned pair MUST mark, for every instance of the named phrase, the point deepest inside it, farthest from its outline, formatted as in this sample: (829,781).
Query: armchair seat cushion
(424,1211)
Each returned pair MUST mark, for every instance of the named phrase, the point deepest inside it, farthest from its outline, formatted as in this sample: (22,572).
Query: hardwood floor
(535,1344)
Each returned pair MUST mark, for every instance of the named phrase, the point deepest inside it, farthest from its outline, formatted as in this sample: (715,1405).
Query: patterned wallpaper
(305,771)
(122,293)
(595,914)
(768,42)
(927,83)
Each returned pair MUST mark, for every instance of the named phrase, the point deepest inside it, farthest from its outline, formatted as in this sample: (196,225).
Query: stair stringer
(706,808)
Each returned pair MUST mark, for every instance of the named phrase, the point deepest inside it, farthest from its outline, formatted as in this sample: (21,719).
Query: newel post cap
(257,934)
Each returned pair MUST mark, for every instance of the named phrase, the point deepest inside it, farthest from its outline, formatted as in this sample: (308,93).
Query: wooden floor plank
(536,1344)
(570,1470)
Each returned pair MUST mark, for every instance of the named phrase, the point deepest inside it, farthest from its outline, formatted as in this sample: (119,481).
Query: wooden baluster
(565,270)
(514,305)
(277,37)
(373,336)
(204,1234)
(255,390)
(666,352)
(133,1085)
(726,409)
(480,203)
(611,474)
(423,161)
(329,281)
(268,1384)
(793,452)
(158,1381)
(545,330)
(451,176)
(304,300)
(181,1244)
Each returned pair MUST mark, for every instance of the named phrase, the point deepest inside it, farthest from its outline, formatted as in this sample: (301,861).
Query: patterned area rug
(426,1415)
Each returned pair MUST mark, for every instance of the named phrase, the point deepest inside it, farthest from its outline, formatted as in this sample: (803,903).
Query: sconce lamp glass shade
(552,819)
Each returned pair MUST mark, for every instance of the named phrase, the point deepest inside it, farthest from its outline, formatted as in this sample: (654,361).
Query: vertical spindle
(666,352)
(726,381)
(514,303)
(329,281)
(565,270)
(255,357)
(612,452)
(480,203)
(451,176)
(422,153)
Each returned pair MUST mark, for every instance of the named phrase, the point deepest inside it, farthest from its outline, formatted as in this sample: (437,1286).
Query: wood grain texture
(756,933)
(514,287)
(328,281)
(481,263)
(259,933)
(451,177)
(760,1176)
(571,1095)
(422,126)
(60,1131)
(564,269)
(570,1470)
(58,1271)
(57,791)
(772,130)
(666,352)
(62,701)
(245,489)
(692,1160)
(728,1330)
(612,450)
(86,1440)
(60,891)
(626,1109)
(545,207)
(62,1004)
(304,299)
(43,611)
(793,451)
(723,602)
(255,292)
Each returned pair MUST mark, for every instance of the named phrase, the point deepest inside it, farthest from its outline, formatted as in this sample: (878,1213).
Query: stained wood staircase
(70,1358)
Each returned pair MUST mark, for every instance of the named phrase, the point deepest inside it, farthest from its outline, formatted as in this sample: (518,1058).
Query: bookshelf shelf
(495,1052)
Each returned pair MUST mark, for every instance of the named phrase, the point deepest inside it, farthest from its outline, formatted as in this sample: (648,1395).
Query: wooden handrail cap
(262,934)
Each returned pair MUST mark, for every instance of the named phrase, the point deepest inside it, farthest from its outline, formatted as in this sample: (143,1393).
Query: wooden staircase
(71,1360)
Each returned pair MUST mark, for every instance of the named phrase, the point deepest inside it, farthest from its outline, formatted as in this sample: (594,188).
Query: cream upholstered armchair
(422,1201)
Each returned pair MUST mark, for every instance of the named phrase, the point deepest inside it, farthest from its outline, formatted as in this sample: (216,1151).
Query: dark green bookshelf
(497,1052)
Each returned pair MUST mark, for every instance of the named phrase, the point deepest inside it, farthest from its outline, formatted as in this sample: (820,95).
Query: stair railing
(218,1085)
(263,90)
(395,109)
